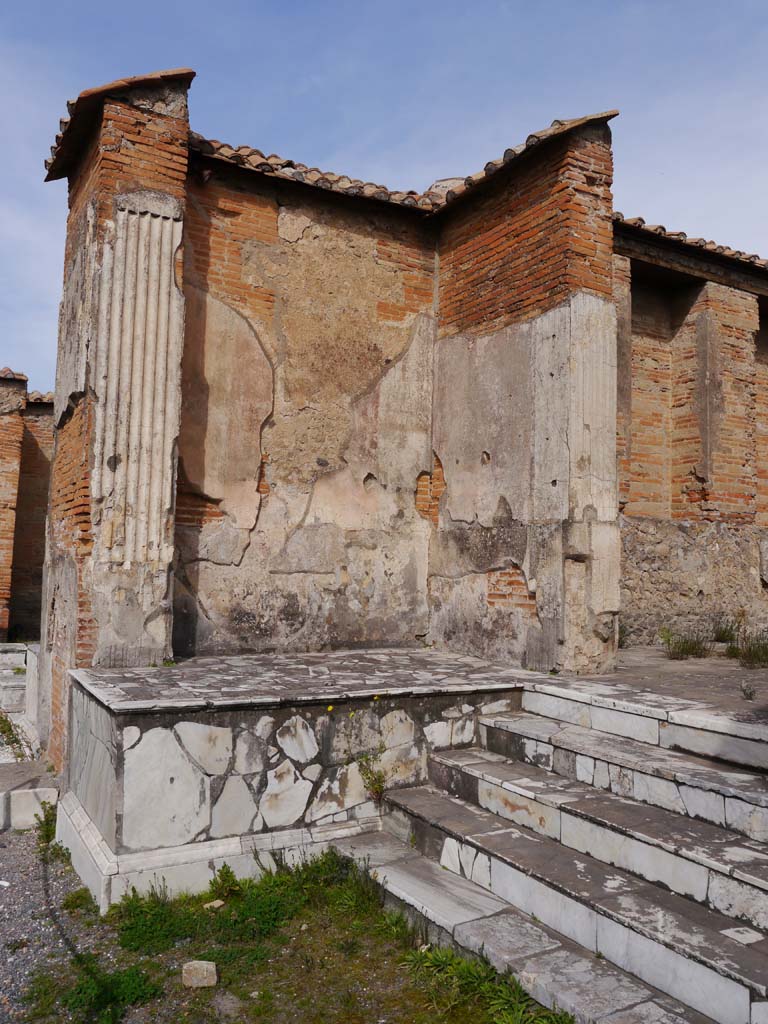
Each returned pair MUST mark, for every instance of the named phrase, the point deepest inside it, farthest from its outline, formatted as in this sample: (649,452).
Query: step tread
(688,769)
(711,845)
(698,933)
(632,698)
(552,968)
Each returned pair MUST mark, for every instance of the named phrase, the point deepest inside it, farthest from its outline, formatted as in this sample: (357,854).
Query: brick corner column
(591,537)
(107,586)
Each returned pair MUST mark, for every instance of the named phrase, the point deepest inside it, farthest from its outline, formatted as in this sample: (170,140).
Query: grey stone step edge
(690,857)
(674,723)
(454,912)
(651,936)
(18,807)
(684,783)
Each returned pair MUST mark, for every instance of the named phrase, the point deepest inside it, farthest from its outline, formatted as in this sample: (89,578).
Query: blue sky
(398,93)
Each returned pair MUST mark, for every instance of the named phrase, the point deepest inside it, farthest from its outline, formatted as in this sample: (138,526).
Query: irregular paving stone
(209,745)
(297,740)
(285,798)
(167,798)
(234,810)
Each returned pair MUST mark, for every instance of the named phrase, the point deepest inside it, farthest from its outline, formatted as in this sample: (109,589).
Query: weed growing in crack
(725,628)
(452,980)
(45,829)
(752,649)
(11,737)
(374,778)
(691,644)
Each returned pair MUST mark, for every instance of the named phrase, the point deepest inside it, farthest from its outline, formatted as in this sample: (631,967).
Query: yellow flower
(330,707)
(376,697)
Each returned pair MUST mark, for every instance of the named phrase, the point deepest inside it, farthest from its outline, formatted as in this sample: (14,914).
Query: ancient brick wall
(693,456)
(12,401)
(31,509)
(305,433)
(528,243)
(526,343)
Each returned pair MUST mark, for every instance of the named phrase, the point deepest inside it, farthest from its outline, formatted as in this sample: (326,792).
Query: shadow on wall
(29,540)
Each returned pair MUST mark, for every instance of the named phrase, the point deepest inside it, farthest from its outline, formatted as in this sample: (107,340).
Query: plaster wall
(306,421)
(524,417)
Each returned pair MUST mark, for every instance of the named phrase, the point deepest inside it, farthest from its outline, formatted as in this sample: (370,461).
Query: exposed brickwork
(415,265)
(508,588)
(29,540)
(11,434)
(429,489)
(72,642)
(530,239)
(195,510)
(221,222)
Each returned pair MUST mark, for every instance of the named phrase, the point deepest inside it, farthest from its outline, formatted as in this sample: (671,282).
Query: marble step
(707,863)
(13,656)
(676,723)
(684,783)
(13,690)
(557,972)
(685,950)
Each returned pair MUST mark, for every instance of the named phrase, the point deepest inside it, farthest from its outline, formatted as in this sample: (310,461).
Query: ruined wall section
(524,558)
(306,419)
(32,505)
(691,530)
(106,583)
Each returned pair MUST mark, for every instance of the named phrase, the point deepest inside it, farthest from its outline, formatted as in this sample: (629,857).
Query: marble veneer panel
(168,776)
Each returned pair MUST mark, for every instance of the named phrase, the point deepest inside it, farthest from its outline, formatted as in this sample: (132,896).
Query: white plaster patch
(746,936)
(209,745)
(131,734)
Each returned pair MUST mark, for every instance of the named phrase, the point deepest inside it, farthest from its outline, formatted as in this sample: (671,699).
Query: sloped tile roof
(8,374)
(680,236)
(42,397)
(433,199)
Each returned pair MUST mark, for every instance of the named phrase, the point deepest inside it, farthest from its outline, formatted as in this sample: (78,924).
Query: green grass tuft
(680,646)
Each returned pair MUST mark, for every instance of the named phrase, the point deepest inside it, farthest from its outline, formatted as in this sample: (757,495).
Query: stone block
(199,974)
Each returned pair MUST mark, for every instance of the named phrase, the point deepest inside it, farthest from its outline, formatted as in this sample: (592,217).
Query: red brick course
(29,538)
(531,238)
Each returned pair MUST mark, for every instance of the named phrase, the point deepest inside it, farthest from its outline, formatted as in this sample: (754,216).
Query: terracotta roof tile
(6,373)
(42,397)
(433,199)
(700,243)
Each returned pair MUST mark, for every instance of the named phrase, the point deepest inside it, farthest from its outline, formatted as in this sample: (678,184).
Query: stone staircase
(627,872)
(13,677)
